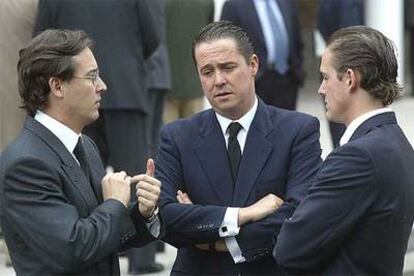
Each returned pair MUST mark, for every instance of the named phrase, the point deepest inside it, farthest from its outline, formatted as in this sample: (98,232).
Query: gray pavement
(310,103)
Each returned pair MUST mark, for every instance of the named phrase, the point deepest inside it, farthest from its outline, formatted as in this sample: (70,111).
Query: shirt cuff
(229,227)
(234,249)
(154,226)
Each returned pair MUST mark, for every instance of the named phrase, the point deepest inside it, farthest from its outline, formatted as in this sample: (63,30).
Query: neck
(67,120)
(362,106)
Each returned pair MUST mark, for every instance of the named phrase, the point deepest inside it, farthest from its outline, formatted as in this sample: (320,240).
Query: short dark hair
(47,55)
(225,29)
(372,55)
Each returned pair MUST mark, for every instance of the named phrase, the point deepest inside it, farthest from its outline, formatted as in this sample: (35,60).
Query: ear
(254,64)
(352,79)
(56,87)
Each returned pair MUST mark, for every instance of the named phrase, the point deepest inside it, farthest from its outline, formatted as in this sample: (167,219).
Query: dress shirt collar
(358,121)
(245,120)
(67,136)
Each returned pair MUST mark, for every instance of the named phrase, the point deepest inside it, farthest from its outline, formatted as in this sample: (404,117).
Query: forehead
(84,61)
(327,59)
(215,50)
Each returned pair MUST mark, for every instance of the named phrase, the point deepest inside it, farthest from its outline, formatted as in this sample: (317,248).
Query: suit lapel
(69,165)
(255,154)
(97,171)
(212,153)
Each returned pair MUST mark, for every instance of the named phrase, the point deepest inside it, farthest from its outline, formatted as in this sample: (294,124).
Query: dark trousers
(277,90)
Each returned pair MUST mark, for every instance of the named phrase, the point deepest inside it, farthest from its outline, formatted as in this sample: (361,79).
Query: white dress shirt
(229,227)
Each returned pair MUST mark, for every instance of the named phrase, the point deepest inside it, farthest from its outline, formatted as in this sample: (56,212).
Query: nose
(322,89)
(219,78)
(101,86)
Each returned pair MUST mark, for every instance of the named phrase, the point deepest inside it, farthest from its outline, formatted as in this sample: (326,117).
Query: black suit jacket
(358,215)
(125,36)
(243,13)
(52,221)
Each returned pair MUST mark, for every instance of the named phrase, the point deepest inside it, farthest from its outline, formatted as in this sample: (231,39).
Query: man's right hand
(117,186)
(262,208)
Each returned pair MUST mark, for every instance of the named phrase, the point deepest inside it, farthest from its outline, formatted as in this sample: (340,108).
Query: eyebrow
(93,72)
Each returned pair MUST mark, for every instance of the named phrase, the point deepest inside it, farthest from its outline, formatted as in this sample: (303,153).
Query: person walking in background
(233,173)
(184,19)
(357,217)
(332,16)
(273,26)
(59,212)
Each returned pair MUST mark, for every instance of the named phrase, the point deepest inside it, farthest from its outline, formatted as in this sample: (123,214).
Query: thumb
(150,167)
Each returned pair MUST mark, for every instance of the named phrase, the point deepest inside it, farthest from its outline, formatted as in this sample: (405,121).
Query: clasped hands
(118,186)
(257,211)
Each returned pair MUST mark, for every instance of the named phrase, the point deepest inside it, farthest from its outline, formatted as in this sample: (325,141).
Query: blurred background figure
(16,20)
(273,26)
(409,24)
(122,47)
(142,260)
(184,19)
(333,15)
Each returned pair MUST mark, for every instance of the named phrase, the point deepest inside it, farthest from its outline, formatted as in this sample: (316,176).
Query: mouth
(223,94)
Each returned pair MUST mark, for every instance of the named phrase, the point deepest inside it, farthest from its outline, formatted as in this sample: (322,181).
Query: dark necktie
(233,149)
(80,154)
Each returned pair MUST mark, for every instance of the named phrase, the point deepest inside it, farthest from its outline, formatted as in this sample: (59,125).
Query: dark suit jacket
(51,219)
(281,155)
(358,215)
(336,14)
(125,36)
(243,13)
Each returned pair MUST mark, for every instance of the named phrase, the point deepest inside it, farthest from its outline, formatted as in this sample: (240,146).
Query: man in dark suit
(59,212)
(234,190)
(126,37)
(332,16)
(357,217)
(274,30)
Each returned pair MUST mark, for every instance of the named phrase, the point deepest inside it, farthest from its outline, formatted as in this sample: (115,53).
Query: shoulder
(290,119)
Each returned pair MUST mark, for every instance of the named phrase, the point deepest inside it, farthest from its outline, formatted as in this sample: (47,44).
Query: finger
(148,204)
(184,197)
(149,185)
(146,178)
(148,195)
(150,167)
(180,200)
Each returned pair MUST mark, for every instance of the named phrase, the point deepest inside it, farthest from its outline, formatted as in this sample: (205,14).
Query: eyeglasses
(93,78)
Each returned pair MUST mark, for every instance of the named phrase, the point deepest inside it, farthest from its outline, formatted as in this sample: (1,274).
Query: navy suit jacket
(281,155)
(243,13)
(358,215)
(336,14)
(53,221)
